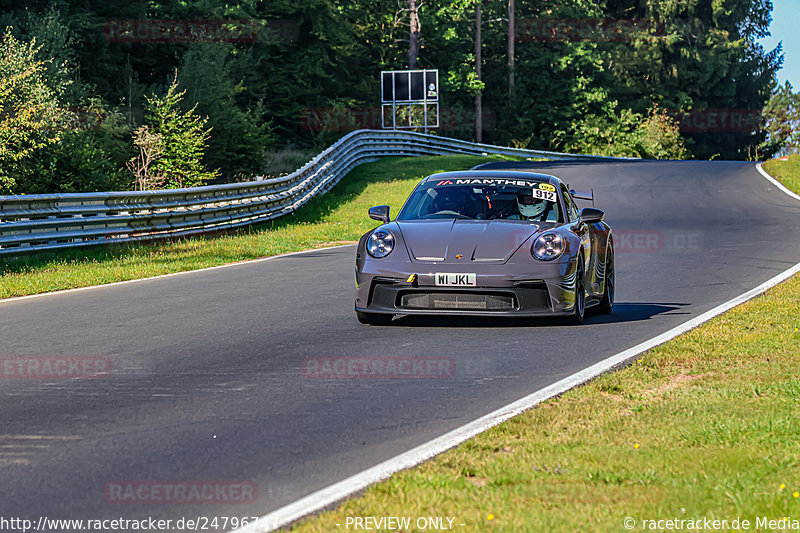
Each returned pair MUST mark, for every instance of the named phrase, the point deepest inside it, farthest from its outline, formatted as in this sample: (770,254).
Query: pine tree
(184,137)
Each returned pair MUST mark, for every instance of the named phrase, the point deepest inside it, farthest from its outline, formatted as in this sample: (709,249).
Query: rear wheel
(580,297)
(607,302)
(375,319)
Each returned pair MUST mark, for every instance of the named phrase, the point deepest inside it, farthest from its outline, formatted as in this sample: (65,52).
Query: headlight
(380,243)
(548,246)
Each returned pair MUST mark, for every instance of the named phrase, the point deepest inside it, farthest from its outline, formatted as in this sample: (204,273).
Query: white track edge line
(775,182)
(336,492)
(173,274)
(340,490)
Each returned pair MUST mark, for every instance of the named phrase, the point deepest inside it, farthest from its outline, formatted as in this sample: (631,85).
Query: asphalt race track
(206,380)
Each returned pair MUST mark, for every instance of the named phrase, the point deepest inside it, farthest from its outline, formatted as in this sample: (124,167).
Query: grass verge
(337,217)
(786,171)
(702,427)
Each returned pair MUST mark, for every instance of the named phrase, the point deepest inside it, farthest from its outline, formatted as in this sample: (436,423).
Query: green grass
(339,216)
(707,425)
(787,172)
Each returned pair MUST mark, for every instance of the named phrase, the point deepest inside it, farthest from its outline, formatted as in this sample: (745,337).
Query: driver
(530,208)
(450,199)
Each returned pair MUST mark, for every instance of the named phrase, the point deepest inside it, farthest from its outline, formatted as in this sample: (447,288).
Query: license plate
(446,279)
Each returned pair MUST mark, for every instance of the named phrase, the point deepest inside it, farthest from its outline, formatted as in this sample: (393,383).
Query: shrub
(32,117)
(630,135)
(659,137)
(184,137)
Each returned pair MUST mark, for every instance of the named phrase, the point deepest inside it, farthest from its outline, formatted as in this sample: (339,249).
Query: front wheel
(580,297)
(607,302)
(375,319)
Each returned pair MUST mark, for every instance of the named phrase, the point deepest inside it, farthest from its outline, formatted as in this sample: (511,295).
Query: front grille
(465,301)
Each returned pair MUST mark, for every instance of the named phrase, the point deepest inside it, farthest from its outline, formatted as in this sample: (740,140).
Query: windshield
(483,199)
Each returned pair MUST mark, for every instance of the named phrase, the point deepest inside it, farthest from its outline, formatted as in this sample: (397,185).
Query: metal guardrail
(30,223)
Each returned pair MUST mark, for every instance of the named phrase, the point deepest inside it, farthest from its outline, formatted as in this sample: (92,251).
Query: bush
(630,135)
(88,157)
(32,117)
(659,137)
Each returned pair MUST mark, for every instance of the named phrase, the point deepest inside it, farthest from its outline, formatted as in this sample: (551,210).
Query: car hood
(474,240)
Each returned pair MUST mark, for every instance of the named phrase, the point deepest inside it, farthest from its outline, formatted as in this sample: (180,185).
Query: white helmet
(530,207)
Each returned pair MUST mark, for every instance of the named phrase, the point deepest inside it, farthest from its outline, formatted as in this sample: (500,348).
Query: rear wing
(579,195)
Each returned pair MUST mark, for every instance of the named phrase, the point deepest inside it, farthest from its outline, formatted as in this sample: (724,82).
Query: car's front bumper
(546,289)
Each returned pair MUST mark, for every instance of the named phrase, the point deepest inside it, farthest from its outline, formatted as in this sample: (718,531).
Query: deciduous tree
(32,117)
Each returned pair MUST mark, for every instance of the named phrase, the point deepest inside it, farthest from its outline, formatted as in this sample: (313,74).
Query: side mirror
(379,213)
(590,215)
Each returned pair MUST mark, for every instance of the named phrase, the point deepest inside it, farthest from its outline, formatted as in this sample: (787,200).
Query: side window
(569,204)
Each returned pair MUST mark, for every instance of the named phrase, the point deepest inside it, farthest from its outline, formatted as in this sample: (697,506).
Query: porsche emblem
(459,256)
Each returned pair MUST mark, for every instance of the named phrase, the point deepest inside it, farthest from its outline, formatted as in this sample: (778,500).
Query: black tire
(374,319)
(580,297)
(607,302)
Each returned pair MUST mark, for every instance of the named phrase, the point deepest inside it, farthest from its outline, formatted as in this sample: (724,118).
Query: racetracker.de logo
(585,29)
(199,31)
(717,120)
(642,240)
(180,492)
(373,118)
(388,367)
(54,367)
(653,240)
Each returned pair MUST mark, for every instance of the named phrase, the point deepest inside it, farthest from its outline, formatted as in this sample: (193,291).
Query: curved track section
(213,378)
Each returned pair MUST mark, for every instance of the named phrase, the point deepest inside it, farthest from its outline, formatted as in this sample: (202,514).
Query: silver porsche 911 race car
(475,242)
